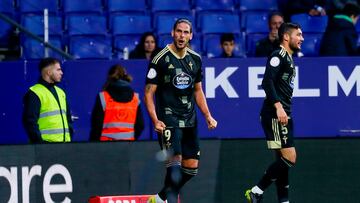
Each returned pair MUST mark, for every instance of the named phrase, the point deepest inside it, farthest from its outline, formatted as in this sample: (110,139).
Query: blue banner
(325,104)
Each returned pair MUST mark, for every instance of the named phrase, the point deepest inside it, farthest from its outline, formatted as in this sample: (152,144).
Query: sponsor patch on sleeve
(151,74)
(274,61)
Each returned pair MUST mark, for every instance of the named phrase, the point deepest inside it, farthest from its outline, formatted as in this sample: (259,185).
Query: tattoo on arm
(147,88)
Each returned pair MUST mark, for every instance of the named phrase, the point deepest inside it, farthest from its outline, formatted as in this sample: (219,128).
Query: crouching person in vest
(117,113)
(46,115)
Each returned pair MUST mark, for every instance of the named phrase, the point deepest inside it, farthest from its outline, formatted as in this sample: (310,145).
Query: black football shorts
(278,136)
(181,141)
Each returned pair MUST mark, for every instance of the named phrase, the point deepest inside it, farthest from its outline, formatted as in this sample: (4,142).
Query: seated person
(340,37)
(227,42)
(334,7)
(267,45)
(311,7)
(147,47)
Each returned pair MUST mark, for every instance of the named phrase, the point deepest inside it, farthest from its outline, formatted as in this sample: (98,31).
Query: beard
(182,46)
(294,47)
(55,80)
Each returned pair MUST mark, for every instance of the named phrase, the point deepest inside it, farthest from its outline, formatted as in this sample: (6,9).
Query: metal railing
(37,38)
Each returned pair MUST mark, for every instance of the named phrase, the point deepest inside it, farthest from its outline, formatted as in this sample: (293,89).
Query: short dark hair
(45,62)
(182,20)
(286,28)
(274,13)
(227,37)
(351,9)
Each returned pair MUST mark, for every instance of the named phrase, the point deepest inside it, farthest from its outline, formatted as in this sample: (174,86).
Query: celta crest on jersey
(182,80)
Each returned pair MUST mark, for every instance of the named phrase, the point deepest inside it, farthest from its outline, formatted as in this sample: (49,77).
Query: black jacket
(264,47)
(120,91)
(139,54)
(223,55)
(31,113)
(340,38)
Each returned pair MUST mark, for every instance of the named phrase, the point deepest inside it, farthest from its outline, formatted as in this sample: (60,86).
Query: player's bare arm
(150,90)
(281,114)
(202,104)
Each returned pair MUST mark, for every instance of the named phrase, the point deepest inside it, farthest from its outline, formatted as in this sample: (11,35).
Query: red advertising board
(121,199)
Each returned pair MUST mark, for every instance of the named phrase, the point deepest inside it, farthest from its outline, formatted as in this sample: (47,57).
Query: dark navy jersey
(278,82)
(175,78)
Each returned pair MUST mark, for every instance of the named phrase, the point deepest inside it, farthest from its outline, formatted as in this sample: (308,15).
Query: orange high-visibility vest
(119,118)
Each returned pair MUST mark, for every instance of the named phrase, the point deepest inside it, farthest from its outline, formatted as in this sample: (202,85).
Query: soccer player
(174,77)
(276,119)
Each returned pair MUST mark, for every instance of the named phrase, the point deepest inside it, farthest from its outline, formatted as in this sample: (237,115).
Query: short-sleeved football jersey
(175,78)
(278,82)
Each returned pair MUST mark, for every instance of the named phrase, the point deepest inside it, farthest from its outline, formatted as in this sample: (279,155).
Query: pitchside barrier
(327,171)
(325,103)
(121,199)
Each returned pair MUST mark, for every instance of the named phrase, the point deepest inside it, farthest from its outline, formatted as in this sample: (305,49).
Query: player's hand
(159,126)
(282,116)
(211,122)
(314,12)
(323,12)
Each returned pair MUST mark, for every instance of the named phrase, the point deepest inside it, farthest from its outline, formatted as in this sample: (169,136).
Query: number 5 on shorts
(284,130)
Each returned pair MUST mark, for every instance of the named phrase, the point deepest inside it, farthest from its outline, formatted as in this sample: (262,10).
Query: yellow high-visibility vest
(53,123)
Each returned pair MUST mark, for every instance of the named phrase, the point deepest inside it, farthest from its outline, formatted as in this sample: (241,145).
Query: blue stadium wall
(325,104)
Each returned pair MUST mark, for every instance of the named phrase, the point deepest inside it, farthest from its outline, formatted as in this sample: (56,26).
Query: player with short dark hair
(174,78)
(276,119)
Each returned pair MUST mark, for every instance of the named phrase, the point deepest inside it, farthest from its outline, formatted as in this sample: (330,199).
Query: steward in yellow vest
(46,116)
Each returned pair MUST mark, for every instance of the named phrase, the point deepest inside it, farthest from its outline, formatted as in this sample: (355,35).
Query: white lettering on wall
(11,176)
(26,180)
(57,188)
(336,79)
(254,81)
(27,176)
(303,92)
(221,80)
